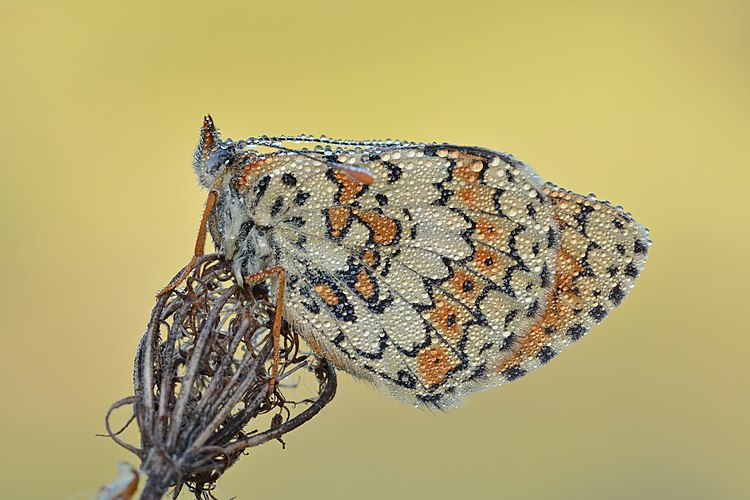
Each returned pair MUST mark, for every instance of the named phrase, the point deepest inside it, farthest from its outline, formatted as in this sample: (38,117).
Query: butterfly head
(212,157)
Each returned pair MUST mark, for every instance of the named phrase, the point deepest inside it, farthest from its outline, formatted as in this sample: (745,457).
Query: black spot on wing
(278,204)
(478,373)
(394,171)
(545,354)
(598,313)
(513,372)
(301,198)
(640,247)
(445,194)
(576,331)
(631,270)
(289,179)
(405,379)
(381,199)
(582,217)
(531,211)
(616,295)
(551,238)
(533,308)
(261,187)
(296,221)
(544,276)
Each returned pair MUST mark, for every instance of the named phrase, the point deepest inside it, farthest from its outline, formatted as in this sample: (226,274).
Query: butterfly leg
(275,332)
(200,244)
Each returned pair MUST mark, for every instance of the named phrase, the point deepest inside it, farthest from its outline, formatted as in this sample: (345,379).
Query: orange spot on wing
(468,170)
(478,197)
(244,180)
(434,364)
(447,320)
(339,218)
(528,346)
(469,196)
(465,286)
(568,269)
(558,313)
(369,258)
(487,229)
(327,294)
(364,284)
(349,188)
(486,261)
(384,230)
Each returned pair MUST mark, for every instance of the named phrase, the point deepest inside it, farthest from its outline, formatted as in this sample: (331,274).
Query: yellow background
(644,103)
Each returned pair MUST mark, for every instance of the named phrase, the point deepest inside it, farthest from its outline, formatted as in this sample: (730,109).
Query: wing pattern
(455,271)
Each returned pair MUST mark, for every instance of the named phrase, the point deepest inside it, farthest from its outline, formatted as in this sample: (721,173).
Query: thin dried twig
(202,373)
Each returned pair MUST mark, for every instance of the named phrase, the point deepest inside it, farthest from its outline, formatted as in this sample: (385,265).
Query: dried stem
(202,373)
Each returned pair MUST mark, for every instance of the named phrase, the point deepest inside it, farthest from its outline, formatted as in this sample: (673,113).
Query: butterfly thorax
(241,234)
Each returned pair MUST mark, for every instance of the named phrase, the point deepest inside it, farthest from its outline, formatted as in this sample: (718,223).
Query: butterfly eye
(220,158)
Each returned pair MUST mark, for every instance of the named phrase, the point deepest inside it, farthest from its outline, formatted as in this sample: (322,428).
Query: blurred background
(644,103)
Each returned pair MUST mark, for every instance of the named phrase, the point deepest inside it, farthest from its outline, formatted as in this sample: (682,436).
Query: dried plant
(202,374)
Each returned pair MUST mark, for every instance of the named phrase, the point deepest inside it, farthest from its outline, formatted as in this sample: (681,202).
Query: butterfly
(432,271)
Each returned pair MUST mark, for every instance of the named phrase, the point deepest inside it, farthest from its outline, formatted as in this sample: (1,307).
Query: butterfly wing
(454,271)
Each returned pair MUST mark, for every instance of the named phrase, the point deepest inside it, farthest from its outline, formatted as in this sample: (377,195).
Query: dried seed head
(202,373)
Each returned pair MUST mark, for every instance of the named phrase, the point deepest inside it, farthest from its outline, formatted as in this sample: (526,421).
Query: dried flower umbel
(202,374)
